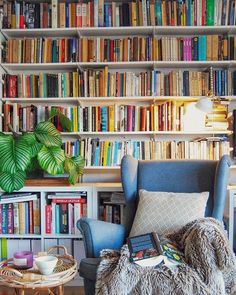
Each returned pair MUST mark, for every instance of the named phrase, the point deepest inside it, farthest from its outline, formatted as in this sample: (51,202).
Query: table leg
(60,290)
(21,292)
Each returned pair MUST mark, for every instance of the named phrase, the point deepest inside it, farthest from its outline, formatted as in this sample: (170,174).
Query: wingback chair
(164,175)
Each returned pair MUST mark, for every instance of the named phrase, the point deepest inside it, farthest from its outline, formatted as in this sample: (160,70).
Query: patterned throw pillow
(165,212)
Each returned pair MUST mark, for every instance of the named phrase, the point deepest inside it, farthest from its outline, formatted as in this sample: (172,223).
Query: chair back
(182,176)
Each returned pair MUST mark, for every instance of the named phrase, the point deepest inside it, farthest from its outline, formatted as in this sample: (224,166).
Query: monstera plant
(22,153)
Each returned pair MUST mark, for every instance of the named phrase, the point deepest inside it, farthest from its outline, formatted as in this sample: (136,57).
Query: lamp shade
(205,104)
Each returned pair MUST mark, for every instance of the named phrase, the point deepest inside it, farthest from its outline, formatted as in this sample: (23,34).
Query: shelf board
(117,31)
(86,168)
(18,236)
(39,66)
(62,236)
(47,32)
(117,65)
(194,64)
(42,99)
(109,99)
(207,132)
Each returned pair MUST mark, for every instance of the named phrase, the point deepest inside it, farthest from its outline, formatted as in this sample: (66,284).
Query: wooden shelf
(117,31)
(117,65)
(200,132)
(109,99)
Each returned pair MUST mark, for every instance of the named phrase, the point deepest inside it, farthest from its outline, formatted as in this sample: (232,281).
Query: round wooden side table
(31,279)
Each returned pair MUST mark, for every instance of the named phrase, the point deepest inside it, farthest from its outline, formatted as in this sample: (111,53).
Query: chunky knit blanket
(209,267)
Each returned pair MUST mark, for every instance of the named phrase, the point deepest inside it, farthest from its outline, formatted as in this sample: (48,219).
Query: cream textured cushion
(165,212)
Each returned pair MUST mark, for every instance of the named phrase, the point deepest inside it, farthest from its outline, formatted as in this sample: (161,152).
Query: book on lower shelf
(151,250)
(62,212)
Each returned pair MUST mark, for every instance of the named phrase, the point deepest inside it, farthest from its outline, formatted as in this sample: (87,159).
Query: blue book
(4,218)
(109,154)
(106,14)
(104,119)
(57,221)
(158,13)
(67,14)
(115,157)
(26,217)
(202,47)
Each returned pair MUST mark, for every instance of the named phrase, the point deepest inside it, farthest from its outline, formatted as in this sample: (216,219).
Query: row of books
(19,214)
(63,212)
(99,152)
(111,212)
(52,50)
(101,83)
(40,50)
(166,48)
(67,84)
(100,13)
(165,116)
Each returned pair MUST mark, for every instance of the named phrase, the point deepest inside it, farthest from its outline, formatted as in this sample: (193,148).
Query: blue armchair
(167,175)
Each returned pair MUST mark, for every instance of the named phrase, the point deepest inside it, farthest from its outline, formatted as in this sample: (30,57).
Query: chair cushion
(165,212)
(88,268)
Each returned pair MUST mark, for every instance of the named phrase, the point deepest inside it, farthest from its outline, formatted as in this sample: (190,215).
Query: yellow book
(105,152)
(75,84)
(105,81)
(111,119)
(22,218)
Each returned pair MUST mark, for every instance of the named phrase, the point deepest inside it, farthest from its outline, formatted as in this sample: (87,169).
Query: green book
(210,8)
(3,249)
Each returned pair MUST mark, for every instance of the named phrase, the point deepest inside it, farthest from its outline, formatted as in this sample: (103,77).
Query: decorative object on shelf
(64,272)
(23,259)
(41,149)
(206,103)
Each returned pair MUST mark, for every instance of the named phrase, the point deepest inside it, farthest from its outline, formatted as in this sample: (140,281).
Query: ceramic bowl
(46,264)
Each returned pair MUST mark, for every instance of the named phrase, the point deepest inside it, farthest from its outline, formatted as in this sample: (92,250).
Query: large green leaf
(75,167)
(15,154)
(32,142)
(52,159)
(12,181)
(48,134)
(65,122)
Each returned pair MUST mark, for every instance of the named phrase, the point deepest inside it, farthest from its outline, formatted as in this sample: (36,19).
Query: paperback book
(150,250)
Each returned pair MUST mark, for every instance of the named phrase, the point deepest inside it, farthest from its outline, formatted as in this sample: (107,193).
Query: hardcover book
(150,250)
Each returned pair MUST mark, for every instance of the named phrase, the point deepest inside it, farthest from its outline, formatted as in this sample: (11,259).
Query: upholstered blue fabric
(167,175)
(100,235)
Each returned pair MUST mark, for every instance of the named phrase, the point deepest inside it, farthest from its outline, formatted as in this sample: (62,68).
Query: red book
(13,89)
(143,115)
(79,15)
(45,15)
(129,118)
(111,54)
(31,218)
(67,201)
(62,49)
(203,12)
(91,8)
(48,219)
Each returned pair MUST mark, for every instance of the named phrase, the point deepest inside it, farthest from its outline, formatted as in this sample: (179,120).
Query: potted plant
(22,153)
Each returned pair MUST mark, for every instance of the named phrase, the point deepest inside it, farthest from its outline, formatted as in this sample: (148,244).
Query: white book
(71,219)
(144,7)
(18,199)
(77,216)
(117,16)
(100,13)
(95,13)
(16,218)
(54,13)
(15,118)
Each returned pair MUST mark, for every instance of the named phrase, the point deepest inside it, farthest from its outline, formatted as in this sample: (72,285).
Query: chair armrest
(100,235)
(221,182)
